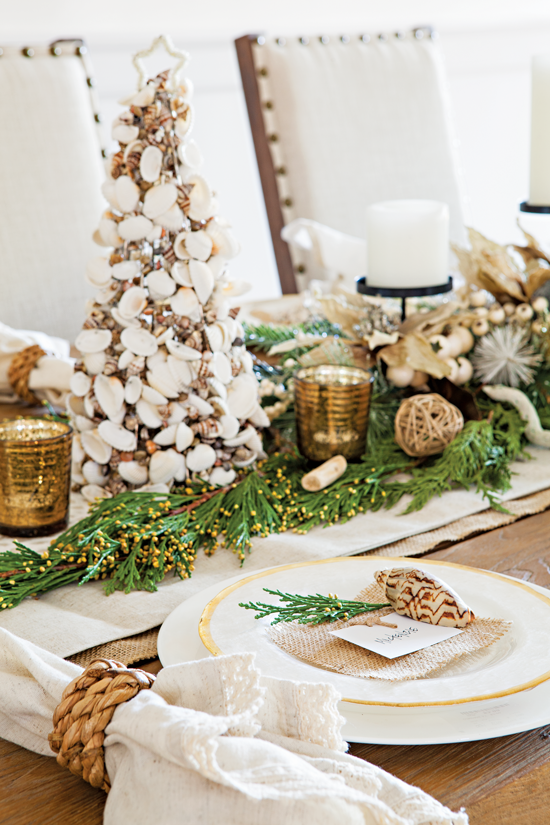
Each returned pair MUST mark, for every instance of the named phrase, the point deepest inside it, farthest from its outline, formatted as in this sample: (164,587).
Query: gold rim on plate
(212,647)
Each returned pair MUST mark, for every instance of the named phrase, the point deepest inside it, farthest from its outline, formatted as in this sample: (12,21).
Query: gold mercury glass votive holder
(332,411)
(35,476)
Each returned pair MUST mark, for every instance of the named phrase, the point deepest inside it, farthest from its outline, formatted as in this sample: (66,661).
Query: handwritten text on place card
(407,637)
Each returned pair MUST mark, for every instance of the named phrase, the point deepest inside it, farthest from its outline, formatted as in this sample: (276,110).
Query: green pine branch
(310,609)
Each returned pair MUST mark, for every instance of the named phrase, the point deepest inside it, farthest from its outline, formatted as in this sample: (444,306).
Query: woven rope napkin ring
(19,370)
(86,708)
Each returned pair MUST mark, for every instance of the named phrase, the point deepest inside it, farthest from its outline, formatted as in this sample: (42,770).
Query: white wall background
(487,46)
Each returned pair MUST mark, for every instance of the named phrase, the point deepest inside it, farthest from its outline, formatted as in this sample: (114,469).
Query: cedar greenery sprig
(310,609)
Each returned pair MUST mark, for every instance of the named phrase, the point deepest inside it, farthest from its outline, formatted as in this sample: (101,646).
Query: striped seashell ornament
(423,597)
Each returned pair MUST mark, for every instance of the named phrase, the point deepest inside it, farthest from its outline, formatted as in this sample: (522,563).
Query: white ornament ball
(466,338)
(524,312)
(478,299)
(540,304)
(454,342)
(419,379)
(509,308)
(465,371)
(497,315)
(444,350)
(400,376)
(454,369)
(480,327)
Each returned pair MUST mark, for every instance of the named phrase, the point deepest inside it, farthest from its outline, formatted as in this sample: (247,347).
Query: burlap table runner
(315,644)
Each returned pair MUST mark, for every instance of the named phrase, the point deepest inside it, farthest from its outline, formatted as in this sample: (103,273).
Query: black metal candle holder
(411,292)
(540,210)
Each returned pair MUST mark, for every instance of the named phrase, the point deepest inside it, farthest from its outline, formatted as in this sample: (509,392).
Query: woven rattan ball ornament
(426,424)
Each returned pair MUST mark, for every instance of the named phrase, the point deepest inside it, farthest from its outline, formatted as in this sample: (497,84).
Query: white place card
(408,636)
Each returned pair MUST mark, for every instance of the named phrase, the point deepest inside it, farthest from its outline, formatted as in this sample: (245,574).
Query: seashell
(77,451)
(139,341)
(200,198)
(243,457)
(247,362)
(254,443)
(200,404)
(154,235)
(105,296)
(142,98)
(159,199)
(221,367)
(195,341)
(181,373)
(230,329)
(199,245)
(166,436)
(160,284)
(135,147)
(208,428)
(132,472)
(177,413)
(92,491)
(259,417)
(180,249)
(122,321)
(217,266)
(166,465)
(190,155)
(108,230)
(83,424)
(236,288)
(160,378)
(126,193)
(219,404)
(165,336)
(110,394)
(182,352)
(217,388)
(185,302)
(202,457)
(184,123)
(184,437)
(93,473)
(136,366)
(148,414)
(89,408)
(117,436)
(221,477)
(96,447)
(158,357)
(125,359)
(242,396)
(150,164)
(124,133)
(80,383)
(93,340)
(230,426)
(99,272)
(180,273)
(223,240)
(125,270)
(202,280)
(109,193)
(135,229)
(423,597)
(241,438)
(132,303)
(172,219)
(75,404)
(153,396)
(216,337)
(132,390)
(97,239)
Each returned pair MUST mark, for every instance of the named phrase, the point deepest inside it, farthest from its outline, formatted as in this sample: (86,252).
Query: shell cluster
(422,597)
(164,389)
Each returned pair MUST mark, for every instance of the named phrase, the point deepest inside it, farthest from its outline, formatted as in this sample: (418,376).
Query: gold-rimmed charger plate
(517,662)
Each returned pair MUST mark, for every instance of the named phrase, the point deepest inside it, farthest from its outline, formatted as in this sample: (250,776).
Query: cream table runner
(76,618)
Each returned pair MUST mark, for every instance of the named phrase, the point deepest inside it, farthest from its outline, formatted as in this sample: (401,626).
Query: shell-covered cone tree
(164,389)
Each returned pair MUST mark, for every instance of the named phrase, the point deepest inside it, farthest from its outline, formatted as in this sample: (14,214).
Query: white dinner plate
(179,641)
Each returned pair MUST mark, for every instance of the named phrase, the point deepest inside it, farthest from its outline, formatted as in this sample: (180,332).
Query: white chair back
(50,178)
(351,121)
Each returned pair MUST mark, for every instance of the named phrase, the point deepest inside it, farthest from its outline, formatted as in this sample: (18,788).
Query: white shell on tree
(242,396)
(180,249)
(190,155)
(160,378)
(124,133)
(135,229)
(185,302)
(167,436)
(184,437)
(139,341)
(242,437)
(124,322)
(159,199)
(200,404)
(216,337)
(125,270)
(224,241)
(177,412)
(80,383)
(150,164)
(148,414)
(259,417)
(230,426)
(221,477)
(132,472)
(93,473)
(83,424)
(183,352)
(200,458)
(180,273)
(202,280)
(132,389)
(221,367)
(160,284)
(96,447)
(109,193)
(117,436)
(200,197)
(94,362)
(108,230)
(153,396)
(127,193)
(125,360)
(93,340)
(181,373)
(165,465)
(184,123)
(199,245)
(133,302)
(92,491)
(109,392)
(172,219)
(99,272)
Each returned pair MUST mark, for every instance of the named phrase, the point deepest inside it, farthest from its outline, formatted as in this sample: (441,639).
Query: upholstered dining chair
(342,122)
(50,178)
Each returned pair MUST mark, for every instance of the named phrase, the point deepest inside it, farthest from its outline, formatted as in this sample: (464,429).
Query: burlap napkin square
(315,644)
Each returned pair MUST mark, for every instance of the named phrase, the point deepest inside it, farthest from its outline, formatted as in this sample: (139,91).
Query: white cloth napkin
(51,376)
(214,742)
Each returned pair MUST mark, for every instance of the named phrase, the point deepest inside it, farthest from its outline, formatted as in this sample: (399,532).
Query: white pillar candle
(407,244)
(539,188)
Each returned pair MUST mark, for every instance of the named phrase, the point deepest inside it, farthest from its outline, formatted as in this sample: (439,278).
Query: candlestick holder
(525,206)
(403,293)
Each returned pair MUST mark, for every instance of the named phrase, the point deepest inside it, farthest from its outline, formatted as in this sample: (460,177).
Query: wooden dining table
(502,781)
